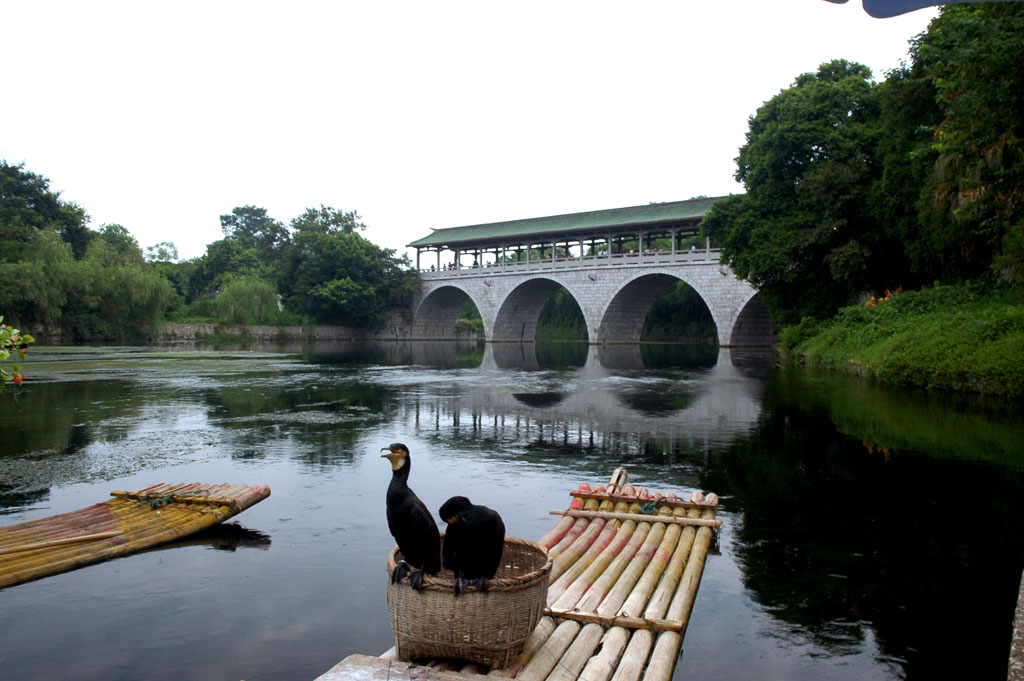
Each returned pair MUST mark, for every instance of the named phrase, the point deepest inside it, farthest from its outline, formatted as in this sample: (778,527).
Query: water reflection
(222,537)
(863,525)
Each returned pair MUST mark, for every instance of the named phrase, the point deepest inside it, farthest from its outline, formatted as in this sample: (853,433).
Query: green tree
(253,228)
(908,110)
(803,234)
(347,301)
(224,260)
(322,273)
(165,251)
(247,301)
(27,204)
(114,246)
(36,288)
(972,56)
(327,220)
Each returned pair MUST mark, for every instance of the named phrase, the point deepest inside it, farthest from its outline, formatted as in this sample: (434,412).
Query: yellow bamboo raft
(129,522)
(626,566)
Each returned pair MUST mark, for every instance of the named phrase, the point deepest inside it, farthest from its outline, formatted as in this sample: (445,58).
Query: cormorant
(410,523)
(473,543)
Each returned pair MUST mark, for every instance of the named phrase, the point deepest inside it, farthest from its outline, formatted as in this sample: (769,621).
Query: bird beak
(453,520)
(394,457)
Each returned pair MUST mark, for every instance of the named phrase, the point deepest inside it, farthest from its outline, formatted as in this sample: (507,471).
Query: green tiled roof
(593,222)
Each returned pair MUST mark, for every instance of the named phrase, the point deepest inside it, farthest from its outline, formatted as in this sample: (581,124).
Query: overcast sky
(162,116)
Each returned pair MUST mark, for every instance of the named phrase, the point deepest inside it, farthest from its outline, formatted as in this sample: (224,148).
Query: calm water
(869,534)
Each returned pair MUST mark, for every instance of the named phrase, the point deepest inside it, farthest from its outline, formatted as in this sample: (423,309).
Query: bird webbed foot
(459,585)
(399,573)
(481,584)
(416,580)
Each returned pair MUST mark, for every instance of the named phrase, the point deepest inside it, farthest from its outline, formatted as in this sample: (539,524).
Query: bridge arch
(517,315)
(753,324)
(623,316)
(437,312)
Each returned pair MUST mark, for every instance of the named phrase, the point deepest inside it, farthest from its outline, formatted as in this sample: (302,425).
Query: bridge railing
(637,259)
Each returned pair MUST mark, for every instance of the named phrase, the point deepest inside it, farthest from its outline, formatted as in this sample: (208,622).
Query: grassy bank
(946,337)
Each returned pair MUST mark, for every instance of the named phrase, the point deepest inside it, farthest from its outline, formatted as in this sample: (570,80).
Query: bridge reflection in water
(612,403)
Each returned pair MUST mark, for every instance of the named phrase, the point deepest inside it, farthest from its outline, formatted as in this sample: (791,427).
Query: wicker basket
(489,628)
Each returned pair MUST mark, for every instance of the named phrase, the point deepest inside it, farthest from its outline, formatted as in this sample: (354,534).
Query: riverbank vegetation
(855,187)
(947,337)
(65,280)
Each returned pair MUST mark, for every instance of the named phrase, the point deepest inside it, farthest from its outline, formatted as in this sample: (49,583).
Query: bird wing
(485,541)
(415,531)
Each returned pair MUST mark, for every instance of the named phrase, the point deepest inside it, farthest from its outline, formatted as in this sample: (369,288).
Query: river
(868,533)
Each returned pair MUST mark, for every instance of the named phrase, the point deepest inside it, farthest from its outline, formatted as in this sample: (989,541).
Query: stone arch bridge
(614,264)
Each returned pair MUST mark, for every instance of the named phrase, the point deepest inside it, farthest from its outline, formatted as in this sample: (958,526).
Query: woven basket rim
(437,583)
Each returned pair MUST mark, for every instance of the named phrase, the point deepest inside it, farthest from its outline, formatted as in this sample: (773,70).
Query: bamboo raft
(129,522)
(626,566)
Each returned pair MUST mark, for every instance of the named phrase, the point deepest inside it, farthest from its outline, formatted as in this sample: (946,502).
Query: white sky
(162,116)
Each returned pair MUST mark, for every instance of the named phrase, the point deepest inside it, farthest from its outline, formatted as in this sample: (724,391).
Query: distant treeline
(89,285)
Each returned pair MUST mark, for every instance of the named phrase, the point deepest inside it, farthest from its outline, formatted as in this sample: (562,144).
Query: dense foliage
(949,337)
(854,186)
(67,280)
(62,277)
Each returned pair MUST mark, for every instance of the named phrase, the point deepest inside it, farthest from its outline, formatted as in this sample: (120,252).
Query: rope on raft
(160,500)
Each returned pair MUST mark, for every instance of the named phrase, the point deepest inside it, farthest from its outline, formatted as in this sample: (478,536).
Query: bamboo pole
(540,634)
(575,531)
(571,595)
(619,478)
(546,628)
(602,666)
(176,498)
(560,583)
(670,499)
(600,589)
(682,602)
(629,577)
(555,534)
(639,517)
(60,542)
(547,656)
(641,594)
(657,606)
(616,621)
(176,522)
(575,551)
(634,657)
(575,657)
(666,651)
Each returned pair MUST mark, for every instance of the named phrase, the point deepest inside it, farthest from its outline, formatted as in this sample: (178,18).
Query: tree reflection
(835,541)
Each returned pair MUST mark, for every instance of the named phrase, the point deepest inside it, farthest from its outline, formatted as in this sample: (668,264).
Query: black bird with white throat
(473,543)
(410,523)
